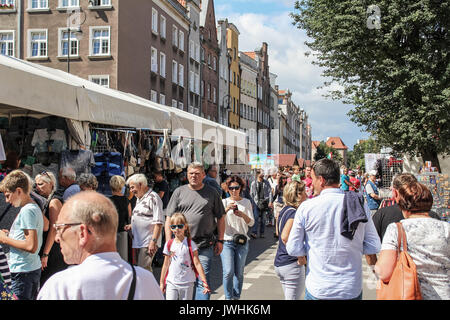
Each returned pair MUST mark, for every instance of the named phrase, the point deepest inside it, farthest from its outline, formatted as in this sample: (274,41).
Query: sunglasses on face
(234,188)
(175,226)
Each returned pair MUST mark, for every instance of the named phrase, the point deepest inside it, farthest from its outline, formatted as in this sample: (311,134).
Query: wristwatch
(44,255)
(155,240)
(221,241)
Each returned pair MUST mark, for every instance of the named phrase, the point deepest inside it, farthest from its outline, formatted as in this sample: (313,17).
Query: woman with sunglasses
(181,263)
(51,257)
(239,217)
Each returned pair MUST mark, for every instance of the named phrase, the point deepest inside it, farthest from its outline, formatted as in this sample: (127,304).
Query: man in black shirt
(387,215)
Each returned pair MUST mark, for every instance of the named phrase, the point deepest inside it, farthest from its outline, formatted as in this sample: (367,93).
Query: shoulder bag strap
(133,284)
(169,244)
(399,237)
(402,237)
(191,253)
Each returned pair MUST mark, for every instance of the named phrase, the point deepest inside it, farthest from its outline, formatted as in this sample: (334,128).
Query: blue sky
(268,21)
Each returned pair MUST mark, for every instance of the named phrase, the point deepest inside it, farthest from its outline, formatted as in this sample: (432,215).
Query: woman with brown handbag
(426,241)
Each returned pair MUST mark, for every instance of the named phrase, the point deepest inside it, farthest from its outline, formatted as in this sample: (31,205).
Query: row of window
(43,4)
(248,112)
(177,35)
(99,42)
(177,68)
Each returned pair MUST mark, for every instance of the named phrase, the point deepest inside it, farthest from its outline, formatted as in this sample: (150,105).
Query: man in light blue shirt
(334,261)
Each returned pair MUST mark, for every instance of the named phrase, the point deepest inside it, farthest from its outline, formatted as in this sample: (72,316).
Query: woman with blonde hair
(290,270)
(51,257)
(181,263)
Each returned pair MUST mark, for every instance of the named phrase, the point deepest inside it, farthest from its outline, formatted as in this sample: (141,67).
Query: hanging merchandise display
(82,161)
(439,185)
(107,164)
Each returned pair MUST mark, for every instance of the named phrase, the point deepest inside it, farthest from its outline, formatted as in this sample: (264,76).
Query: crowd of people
(66,241)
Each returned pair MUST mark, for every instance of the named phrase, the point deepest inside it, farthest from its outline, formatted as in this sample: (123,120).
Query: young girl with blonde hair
(181,263)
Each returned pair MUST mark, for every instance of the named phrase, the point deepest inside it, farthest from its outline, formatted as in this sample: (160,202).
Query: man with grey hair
(205,213)
(86,231)
(68,180)
(147,220)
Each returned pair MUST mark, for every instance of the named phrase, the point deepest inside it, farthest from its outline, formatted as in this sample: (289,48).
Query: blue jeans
(233,258)
(259,221)
(205,256)
(26,284)
(308,296)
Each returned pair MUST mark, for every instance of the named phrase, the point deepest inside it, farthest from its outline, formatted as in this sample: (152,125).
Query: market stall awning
(51,91)
(25,86)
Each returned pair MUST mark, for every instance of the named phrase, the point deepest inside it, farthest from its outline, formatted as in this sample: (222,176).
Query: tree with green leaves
(356,156)
(391,61)
(323,151)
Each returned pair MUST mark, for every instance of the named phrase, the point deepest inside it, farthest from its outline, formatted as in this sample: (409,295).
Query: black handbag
(262,204)
(240,239)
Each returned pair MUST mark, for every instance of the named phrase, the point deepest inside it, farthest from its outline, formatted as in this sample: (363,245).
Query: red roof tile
(336,143)
(251,54)
(315,144)
(282,160)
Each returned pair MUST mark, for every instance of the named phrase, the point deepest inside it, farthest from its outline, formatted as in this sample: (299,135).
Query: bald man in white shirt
(86,231)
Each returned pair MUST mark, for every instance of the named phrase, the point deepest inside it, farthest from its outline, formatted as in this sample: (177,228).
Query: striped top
(4,268)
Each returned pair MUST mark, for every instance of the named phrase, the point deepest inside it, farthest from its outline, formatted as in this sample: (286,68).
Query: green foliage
(323,151)
(397,76)
(356,156)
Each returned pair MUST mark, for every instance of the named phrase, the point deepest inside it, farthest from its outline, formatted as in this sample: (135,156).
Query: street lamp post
(73,22)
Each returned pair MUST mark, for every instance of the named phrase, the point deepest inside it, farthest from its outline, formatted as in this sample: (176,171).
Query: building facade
(248,103)
(132,46)
(194,99)
(274,115)
(291,130)
(209,88)
(224,72)
(235,75)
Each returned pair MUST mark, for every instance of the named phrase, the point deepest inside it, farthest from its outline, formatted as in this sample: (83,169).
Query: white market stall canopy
(36,88)
(50,91)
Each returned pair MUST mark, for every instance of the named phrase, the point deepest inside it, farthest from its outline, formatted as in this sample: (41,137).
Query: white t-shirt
(233,223)
(147,212)
(102,276)
(181,272)
(428,244)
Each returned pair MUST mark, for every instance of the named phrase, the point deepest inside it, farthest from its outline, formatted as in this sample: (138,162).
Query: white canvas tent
(40,89)
(33,89)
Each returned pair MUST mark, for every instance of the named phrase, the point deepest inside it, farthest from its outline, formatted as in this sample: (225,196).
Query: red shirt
(356,182)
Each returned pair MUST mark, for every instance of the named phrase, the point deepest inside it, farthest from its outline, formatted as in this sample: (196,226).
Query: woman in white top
(239,217)
(428,243)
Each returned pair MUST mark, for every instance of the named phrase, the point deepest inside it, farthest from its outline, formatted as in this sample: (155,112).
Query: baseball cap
(372,173)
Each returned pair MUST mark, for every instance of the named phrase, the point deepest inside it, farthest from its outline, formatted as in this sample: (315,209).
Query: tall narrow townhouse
(263,98)
(194,99)
(209,87)
(130,45)
(248,102)
(224,72)
(235,76)
(274,121)
(168,52)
